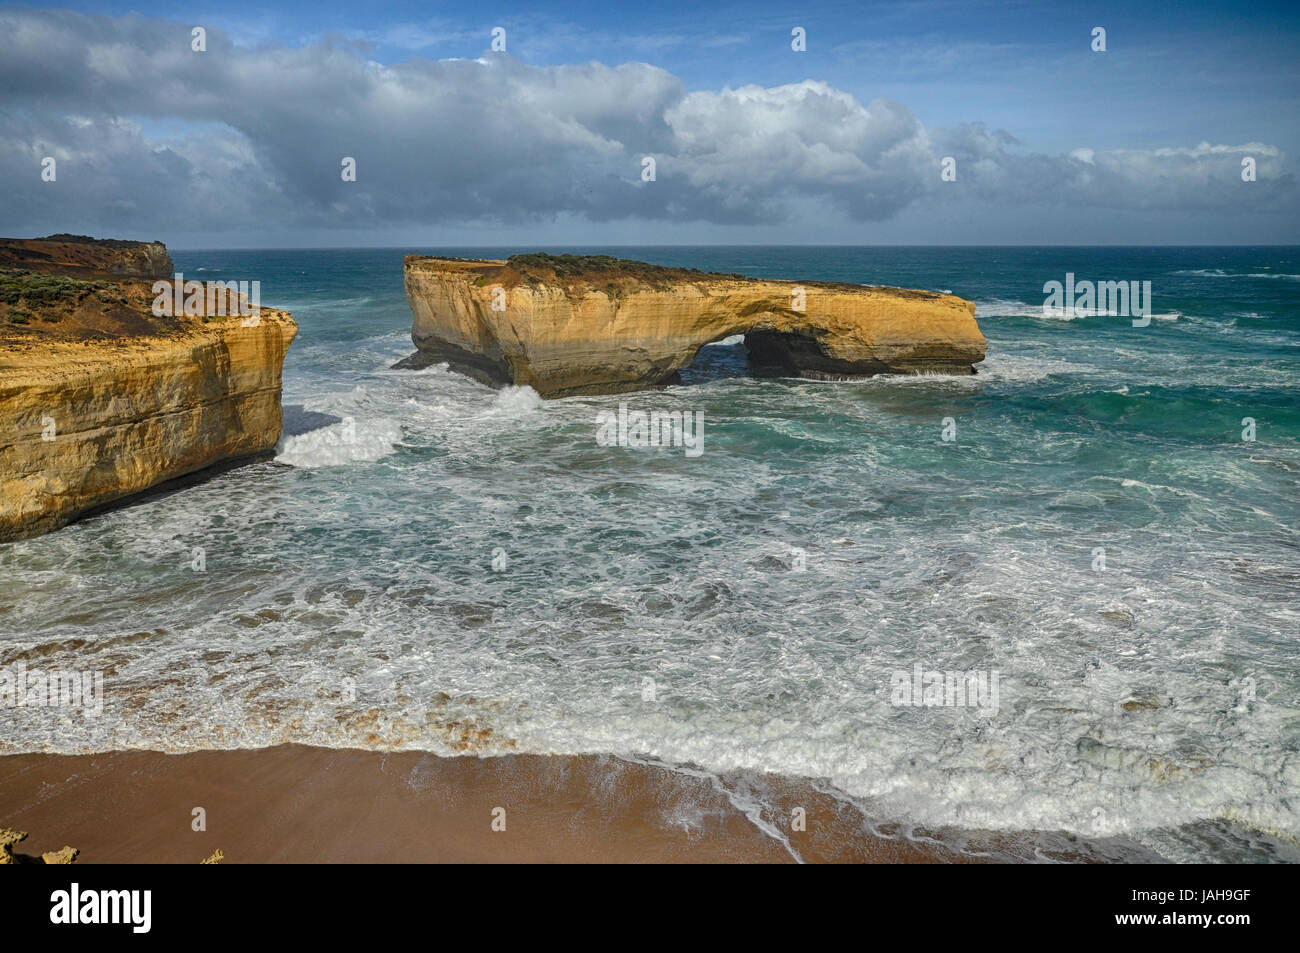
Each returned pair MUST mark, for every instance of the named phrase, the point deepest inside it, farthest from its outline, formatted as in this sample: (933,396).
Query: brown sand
(297,804)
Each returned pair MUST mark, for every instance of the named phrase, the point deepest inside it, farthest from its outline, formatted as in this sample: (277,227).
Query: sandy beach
(297,804)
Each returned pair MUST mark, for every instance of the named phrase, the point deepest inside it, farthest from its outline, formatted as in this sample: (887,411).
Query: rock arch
(566,325)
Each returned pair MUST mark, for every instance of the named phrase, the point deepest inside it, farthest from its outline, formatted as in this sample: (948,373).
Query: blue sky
(1014,84)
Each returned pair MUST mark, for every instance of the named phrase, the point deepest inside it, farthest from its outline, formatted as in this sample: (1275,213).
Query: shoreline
(300,804)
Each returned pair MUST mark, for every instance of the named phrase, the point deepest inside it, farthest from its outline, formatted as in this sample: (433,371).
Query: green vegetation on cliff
(45,305)
(539,265)
(38,289)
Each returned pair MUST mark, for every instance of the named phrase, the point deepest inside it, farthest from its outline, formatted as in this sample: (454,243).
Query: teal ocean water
(434,565)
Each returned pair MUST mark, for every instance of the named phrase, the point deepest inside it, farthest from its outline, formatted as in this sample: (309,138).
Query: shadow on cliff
(730,357)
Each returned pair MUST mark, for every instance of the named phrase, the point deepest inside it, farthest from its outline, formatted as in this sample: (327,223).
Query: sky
(242,143)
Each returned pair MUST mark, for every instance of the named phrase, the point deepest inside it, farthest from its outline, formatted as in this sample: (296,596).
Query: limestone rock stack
(565,325)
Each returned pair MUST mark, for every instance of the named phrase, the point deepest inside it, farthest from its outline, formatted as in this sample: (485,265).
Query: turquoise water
(826,538)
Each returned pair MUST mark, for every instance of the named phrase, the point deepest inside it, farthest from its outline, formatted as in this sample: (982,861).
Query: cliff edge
(568,325)
(101,399)
(84,256)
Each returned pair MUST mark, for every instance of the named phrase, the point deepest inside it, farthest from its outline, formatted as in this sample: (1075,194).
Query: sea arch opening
(758,350)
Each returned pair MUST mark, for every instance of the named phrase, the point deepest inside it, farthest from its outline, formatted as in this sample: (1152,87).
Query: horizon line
(682,245)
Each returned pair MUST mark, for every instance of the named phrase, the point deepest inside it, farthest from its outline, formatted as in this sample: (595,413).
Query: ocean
(1103,522)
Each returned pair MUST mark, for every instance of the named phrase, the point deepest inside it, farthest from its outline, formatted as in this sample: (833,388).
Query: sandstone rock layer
(580,326)
(101,399)
(122,416)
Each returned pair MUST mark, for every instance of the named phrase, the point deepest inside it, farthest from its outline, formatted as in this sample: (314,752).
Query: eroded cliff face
(610,326)
(100,400)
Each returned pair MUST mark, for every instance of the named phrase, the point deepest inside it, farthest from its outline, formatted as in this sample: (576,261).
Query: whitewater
(430,564)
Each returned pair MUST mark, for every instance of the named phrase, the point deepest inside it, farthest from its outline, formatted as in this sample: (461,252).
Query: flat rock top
(37,309)
(78,288)
(86,256)
(581,273)
(56,320)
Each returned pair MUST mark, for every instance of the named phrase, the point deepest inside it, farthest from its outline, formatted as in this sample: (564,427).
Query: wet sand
(298,804)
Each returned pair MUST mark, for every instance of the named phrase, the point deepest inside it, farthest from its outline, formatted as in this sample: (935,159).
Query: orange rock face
(86,423)
(621,326)
(101,399)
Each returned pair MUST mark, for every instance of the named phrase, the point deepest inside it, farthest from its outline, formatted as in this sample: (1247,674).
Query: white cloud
(498,140)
